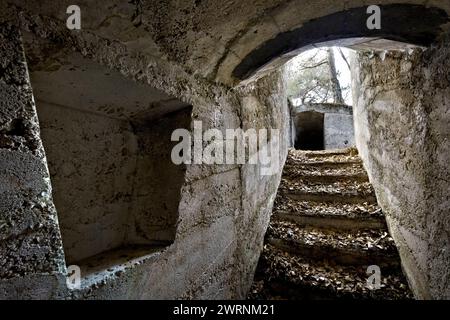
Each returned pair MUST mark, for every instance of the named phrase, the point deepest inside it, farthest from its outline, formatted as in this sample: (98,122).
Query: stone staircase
(326,229)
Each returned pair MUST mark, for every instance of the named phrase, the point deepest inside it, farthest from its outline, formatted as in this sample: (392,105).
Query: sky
(344,74)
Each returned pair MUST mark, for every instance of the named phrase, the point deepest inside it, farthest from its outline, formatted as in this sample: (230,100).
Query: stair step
(309,172)
(345,248)
(326,229)
(326,164)
(341,197)
(341,256)
(309,208)
(309,177)
(327,221)
(282,275)
(337,187)
(328,153)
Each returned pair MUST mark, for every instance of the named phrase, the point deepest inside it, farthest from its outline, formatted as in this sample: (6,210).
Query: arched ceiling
(414,24)
(229,40)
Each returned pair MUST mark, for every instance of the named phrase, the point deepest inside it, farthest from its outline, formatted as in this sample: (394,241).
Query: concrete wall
(401,123)
(212,38)
(157,181)
(338,131)
(92,162)
(223,214)
(324,108)
(263,105)
(223,210)
(113,181)
(31,254)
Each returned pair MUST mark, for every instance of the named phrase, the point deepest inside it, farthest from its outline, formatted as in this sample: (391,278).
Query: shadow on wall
(108,147)
(309,131)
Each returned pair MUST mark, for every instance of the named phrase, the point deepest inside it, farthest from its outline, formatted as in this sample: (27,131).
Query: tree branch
(343,57)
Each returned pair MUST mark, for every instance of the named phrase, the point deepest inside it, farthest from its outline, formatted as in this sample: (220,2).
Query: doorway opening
(310,132)
(326,227)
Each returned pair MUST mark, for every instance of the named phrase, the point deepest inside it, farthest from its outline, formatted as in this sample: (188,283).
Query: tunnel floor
(326,230)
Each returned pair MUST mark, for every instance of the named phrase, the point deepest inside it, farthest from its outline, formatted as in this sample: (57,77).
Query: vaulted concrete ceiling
(63,77)
(229,40)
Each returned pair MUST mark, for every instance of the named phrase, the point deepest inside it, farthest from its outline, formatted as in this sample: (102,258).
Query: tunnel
(86,134)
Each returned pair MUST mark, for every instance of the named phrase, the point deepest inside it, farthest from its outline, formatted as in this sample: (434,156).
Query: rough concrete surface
(29,226)
(212,38)
(339,131)
(166,56)
(209,257)
(401,123)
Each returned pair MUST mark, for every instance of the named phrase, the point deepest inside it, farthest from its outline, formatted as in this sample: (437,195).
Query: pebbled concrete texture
(339,131)
(211,39)
(220,227)
(264,105)
(91,182)
(186,52)
(30,240)
(402,133)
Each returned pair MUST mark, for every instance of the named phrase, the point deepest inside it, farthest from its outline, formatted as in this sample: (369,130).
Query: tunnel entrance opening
(310,134)
(315,209)
(343,28)
(108,148)
(319,99)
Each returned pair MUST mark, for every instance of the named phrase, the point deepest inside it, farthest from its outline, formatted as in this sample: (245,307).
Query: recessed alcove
(108,143)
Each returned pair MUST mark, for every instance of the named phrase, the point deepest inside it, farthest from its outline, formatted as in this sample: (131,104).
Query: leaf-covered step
(346,248)
(349,210)
(341,187)
(332,156)
(333,197)
(282,275)
(326,221)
